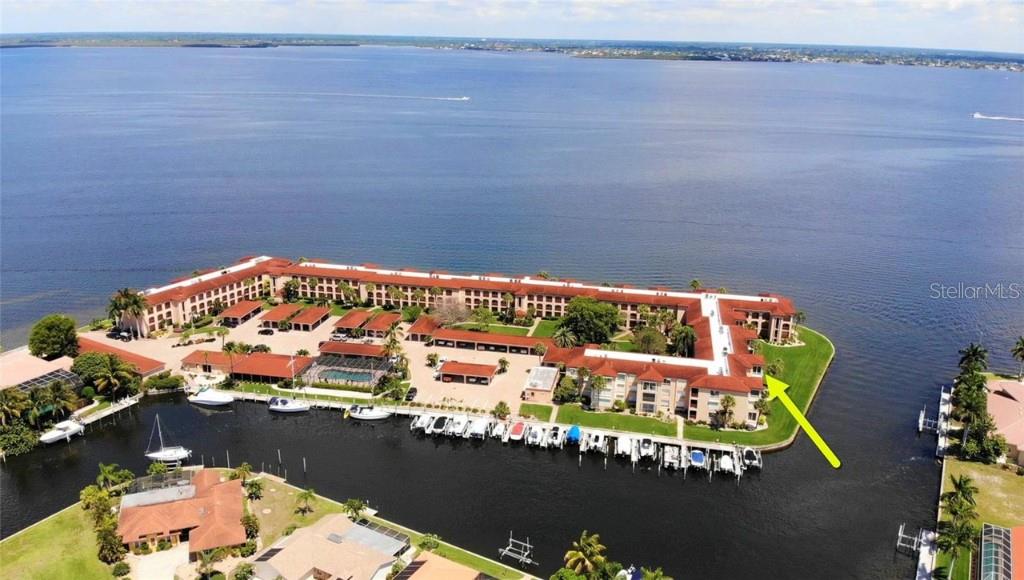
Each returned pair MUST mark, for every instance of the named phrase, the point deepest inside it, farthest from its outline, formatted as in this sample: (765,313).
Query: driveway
(159,565)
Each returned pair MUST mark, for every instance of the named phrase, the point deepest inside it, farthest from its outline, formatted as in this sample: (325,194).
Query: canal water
(859,191)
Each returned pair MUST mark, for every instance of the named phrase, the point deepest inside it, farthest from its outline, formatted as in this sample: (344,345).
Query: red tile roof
(735,310)
(354,319)
(184,292)
(213,515)
(240,309)
(727,383)
(277,366)
(1017,550)
(424,325)
(468,369)
(209,357)
(352,349)
(312,315)
(383,321)
(281,312)
(456,334)
(143,365)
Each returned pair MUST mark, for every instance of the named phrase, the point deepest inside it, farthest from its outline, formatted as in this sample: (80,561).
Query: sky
(990,25)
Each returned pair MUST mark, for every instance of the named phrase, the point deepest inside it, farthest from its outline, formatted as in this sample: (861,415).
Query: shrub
(244,571)
(618,406)
(290,529)
(121,569)
(430,542)
(143,549)
(163,381)
(247,549)
(501,410)
(285,384)
(88,393)
(53,336)
(163,544)
(17,438)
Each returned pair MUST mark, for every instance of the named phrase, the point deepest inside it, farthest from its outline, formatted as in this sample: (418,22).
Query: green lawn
(63,546)
(962,571)
(542,412)
(546,328)
(575,415)
(495,328)
(265,389)
(204,330)
(336,309)
(1000,491)
(103,404)
(623,346)
(803,370)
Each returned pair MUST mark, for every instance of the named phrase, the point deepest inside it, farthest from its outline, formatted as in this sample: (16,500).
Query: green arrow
(777,390)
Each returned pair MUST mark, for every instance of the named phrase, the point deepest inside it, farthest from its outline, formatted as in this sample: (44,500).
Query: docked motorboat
(367,413)
(438,426)
(284,405)
(751,457)
(210,398)
(168,454)
(647,448)
(537,435)
(598,442)
(624,446)
(458,425)
(555,436)
(517,432)
(670,456)
(477,428)
(421,422)
(726,463)
(64,430)
(698,459)
(573,435)
(499,429)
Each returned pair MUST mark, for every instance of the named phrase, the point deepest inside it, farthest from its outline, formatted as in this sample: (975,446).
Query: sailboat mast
(159,432)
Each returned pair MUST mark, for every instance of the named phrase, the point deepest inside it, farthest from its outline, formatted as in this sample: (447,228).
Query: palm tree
(954,537)
(395,294)
(392,346)
(243,472)
(685,340)
(432,359)
(728,404)
(39,402)
(254,489)
(974,357)
(695,284)
(303,500)
(354,508)
(586,555)
(114,376)
(420,296)
(109,475)
(800,317)
(598,384)
(370,289)
(541,349)
(963,487)
(206,560)
(63,397)
(1018,353)
(126,303)
(435,291)
(563,337)
(394,332)
(503,365)
(12,403)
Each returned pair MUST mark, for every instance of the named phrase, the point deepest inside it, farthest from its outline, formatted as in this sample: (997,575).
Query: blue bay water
(851,188)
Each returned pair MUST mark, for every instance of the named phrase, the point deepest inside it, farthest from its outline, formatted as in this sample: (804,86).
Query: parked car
(411,393)
(339,336)
(266,331)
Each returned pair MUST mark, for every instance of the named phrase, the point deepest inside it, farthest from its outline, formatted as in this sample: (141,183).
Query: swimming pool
(343,376)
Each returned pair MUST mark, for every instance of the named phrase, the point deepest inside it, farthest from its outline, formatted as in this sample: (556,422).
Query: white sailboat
(367,413)
(174,454)
(283,405)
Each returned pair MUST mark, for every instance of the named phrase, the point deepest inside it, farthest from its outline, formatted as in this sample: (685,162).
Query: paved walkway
(926,557)
(159,565)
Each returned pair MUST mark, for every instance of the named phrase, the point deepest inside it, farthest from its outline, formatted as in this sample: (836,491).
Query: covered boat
(458,425)
(555,436)
(64,430)
(537,435)
(210,398)
(498,432)
(726,463)
(624,446)
(283,405)
(477,428)
(698,459)
(573,436)
(647,447)
(518,430)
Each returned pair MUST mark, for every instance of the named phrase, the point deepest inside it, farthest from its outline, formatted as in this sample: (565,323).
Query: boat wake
(991,118)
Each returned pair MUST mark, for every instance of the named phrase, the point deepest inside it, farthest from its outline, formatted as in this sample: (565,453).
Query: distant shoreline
(636,50)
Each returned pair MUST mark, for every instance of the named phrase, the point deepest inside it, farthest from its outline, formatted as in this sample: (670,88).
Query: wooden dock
(112,409)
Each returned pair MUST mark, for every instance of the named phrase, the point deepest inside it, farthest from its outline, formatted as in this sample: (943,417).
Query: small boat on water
(624,446)
(499,430)
(670,456)
(573,435)
(421,422)
(458,425)
(64,430)
(698,459)
(598,442)
(555,436)
(210,398)
(477,428)
(726,463)
(517,432)
(647,448)
(283,405)
(537,436)
(172,455)
(367,413)
(751,458)
(438,426)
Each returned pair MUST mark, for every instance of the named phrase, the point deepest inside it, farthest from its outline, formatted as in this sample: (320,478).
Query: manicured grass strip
(265,389)
(63,546)
(546,328)
(1000,491)
(804,367)
(282,503)
(204,330)
(962,570)
(495,328)
(542,412)
(575,415)
(623,346)
(103,404)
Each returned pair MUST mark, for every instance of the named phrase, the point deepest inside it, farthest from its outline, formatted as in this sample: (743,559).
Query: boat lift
(518,550)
